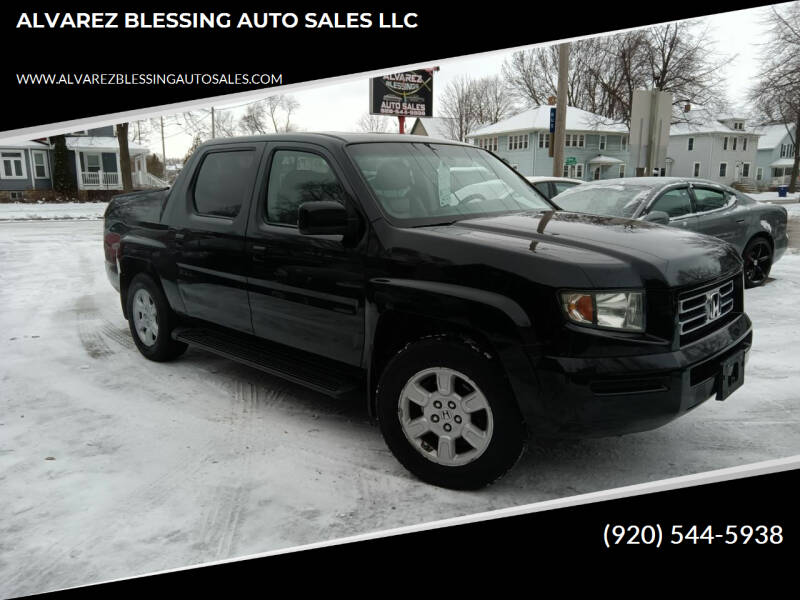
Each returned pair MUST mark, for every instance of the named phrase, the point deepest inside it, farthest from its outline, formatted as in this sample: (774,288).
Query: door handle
(258,248)
(179,235)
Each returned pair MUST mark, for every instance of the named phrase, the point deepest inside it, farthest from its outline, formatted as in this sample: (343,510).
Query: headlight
(610,310)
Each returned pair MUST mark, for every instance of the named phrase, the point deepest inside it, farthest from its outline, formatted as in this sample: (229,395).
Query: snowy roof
(771,135)
(783,162)
(435,126)
(601,159)
(30,144)
(102,143)
(538,118)
(703,121)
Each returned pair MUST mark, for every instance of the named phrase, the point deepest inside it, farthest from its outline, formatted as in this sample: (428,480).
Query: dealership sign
(408,94)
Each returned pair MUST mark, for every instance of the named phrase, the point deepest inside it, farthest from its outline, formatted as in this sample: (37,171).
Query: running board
(323,375)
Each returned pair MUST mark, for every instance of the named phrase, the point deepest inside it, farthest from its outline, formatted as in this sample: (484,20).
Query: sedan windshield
(612,199)
(424,184)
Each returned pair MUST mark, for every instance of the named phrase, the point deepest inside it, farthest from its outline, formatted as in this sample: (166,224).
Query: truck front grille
(696,310)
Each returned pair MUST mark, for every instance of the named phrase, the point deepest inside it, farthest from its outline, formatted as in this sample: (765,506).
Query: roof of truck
(340,135)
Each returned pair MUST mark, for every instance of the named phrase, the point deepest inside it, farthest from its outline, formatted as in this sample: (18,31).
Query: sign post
(408,94)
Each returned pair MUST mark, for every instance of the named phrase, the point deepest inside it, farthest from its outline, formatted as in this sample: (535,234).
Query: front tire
(757,257)
(448,415)
(151,320)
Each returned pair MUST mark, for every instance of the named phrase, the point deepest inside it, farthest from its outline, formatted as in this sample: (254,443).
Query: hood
(608,252)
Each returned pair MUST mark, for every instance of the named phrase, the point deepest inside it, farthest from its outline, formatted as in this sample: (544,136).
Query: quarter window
(297,177)
(13,165)
(224,182)
(706,200)
(675,203)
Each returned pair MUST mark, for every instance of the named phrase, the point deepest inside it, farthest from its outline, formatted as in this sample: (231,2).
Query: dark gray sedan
(758,231)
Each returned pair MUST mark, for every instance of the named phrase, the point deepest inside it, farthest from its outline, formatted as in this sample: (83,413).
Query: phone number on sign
(656,535)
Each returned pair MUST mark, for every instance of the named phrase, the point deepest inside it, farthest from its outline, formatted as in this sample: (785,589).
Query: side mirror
(657,216)
(325,217)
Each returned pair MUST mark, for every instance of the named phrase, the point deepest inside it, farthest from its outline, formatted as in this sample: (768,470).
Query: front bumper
(587,397)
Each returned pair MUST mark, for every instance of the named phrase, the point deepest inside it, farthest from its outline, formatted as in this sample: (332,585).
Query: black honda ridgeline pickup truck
(433,279)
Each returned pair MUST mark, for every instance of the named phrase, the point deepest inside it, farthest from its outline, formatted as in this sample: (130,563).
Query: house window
(544,140)
(696,170)
(517,142)
(744,144)
(623,142)
(783,150)
(566,171)
(725,143)
(574,140)
(579,171)
(39,164)
(746,170)
(734,142)
(573,171)
(690,145)
(759,173)
(17,196)
(13,165)
(622,170)
(739,125)
(602,142)
(723,169)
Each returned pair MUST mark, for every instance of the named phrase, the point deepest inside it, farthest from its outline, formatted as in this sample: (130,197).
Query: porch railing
(100,179)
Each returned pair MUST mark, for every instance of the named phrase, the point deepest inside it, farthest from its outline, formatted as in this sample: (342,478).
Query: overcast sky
(338,107)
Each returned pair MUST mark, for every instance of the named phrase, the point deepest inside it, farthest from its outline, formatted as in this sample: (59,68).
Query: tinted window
(224,182)
(542,188)
(562,186)
(708,199)
(296,177)
(675,203)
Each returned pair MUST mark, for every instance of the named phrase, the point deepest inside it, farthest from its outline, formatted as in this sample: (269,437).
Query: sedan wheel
(757,262)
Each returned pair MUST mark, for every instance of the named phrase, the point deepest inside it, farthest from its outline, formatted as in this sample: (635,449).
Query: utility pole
(561,110)
(213,127)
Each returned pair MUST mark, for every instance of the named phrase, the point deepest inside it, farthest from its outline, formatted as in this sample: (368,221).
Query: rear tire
(151,320)
(448,414)
(757,257)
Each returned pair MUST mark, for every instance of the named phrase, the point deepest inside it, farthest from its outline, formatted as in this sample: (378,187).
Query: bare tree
(198,122)
(373,123)
(458,106)
(271,115)
(605,71)
(493,100)
(776,95)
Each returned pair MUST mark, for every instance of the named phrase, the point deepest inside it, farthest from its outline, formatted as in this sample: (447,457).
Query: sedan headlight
(623,311)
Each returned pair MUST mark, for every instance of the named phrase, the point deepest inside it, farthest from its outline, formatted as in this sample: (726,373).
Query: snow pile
(19,211)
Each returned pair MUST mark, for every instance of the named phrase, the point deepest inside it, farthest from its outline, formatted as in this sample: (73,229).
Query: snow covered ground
(22,211)
(112,466)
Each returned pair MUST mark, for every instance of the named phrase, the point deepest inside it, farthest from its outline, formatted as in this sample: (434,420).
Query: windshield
(611,200)
(424,184)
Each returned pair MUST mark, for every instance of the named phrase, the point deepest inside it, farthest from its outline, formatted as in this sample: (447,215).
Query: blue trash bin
(782,191)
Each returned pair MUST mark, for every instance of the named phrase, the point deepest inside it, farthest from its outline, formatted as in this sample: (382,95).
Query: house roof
(703,121)
(27,144)
(91,142)
(435,126)
(782,162)
(771,135)
(538,118)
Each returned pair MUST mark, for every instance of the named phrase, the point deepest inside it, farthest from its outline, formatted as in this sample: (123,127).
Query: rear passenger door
(716,213)
(677,203)
(208,235)
(305,291)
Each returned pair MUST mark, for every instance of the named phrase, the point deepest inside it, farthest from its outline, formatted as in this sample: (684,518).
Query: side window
(708,199)
(224,182)
(296,177)
(542,188)
(675,203)
(563,185)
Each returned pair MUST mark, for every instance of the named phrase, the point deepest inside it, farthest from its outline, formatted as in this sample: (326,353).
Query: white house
(776,150)
(720,148)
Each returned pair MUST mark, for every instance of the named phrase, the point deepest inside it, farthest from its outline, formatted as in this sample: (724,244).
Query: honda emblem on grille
(713,305)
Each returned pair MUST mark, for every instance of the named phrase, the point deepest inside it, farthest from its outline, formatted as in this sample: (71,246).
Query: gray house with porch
(775,157)
(94,164)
